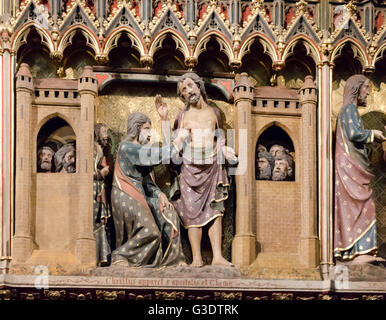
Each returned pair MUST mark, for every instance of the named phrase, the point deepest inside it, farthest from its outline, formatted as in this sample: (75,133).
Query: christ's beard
(70,168)
(45,165)
(278,176)
(193,99)
(265,174)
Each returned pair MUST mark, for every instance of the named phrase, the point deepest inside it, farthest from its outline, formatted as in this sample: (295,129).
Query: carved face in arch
(69,162)
(277,150)
(45,156)
(65,159)
(264,168)
(283,169)
(264,165)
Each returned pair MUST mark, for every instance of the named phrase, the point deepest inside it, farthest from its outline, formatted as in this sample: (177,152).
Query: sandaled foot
(222,262)
(197,263)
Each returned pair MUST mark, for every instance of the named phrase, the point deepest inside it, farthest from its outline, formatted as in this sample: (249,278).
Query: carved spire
(256,6)
(352,8)
(301,7)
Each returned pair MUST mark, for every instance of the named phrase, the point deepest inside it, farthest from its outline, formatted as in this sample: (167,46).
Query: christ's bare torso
(202,123)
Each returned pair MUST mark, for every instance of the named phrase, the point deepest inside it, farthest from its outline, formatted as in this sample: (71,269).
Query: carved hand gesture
(229,153)
(164,202)
(104,172)
(161,107)
(378,135)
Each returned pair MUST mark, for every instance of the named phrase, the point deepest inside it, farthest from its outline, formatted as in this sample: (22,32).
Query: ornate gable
(258,24)
(168,20)
(78,15)
(213,21)
(32,11)
(302,26)
(124,17)
(349,29)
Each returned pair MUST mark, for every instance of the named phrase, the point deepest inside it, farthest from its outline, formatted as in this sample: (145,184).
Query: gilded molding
(133,296)
(55,295)
(325,297)
(228,296)
(282,296)
(110,295)
(5,295)
(29,296)
(175,295)
(80,296)
(257,298)
(372,297)
(191,297)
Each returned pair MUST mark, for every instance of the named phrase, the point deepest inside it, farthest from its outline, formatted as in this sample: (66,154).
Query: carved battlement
(274,100)
(56,92)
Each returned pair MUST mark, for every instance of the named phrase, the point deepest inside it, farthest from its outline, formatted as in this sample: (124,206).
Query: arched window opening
(275,156)
(56,147)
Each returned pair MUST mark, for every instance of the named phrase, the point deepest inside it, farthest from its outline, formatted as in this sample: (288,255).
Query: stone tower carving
(53,214)
(280,215)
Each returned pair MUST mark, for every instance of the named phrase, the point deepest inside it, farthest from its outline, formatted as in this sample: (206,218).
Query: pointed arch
(20,36)
(268,45)
(111,41)
(91,39)
(50,116)
(358,49)
(282,126)
(225,44)
(378,54)
(310,45)
(181,44)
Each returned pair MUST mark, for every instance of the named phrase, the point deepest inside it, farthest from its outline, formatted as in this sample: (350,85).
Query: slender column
(85,249)
(324,12)
(309,244)
(100,9)
(7,69)
(2,239)
(54,7)
(278,6)
(146,10)
(22,240)
(235,12)
(243,246)
(190,12)
(325,166)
